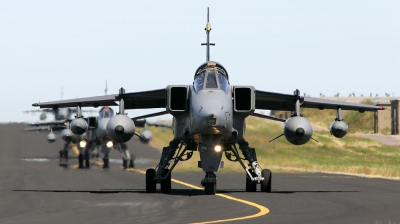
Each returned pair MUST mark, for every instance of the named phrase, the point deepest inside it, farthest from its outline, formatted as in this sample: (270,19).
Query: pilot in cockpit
(210,78)
(106,112)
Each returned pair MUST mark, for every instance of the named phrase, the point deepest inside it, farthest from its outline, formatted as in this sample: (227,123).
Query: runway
(35,189)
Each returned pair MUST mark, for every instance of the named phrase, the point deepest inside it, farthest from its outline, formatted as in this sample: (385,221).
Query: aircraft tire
(266,184)
(151,184)
(210,188)
(80,161)
(87,163)
(105,163)
(131,164)
(166,184)
(251,186)
(124,163)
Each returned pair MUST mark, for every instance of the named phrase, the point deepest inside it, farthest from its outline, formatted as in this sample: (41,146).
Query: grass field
(349,155)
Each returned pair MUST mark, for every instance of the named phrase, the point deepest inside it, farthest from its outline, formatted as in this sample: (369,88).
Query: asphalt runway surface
(35,189)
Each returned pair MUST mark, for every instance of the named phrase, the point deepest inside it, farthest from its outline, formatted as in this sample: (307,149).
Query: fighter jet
(209,117)
(61,118)
(96,137)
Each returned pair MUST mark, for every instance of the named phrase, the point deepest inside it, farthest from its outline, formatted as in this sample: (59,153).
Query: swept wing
(134,100)
(278,101)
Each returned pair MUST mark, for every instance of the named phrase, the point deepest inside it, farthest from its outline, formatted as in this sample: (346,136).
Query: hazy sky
(315,46)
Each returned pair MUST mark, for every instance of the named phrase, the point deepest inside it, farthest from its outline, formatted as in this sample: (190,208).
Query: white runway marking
(36,159)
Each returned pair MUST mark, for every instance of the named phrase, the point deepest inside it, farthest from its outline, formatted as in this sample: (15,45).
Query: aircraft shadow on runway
(293,192)
(181,192)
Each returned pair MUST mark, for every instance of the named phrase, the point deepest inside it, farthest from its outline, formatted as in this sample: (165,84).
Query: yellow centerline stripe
(263,210)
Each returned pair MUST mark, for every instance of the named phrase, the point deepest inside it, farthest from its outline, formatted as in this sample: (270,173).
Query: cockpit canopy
(106,112)
(211,75)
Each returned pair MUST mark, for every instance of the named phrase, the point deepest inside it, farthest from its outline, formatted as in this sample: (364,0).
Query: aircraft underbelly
(101,127)
(210,159)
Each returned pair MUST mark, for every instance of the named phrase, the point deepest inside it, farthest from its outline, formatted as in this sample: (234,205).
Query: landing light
(82,144)
(217,148)
(109,144)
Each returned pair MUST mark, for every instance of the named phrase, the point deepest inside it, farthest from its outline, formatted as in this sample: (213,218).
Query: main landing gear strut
(254,175)
(162,173)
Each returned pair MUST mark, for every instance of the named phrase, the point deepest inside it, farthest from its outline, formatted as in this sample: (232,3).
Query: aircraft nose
(213,119)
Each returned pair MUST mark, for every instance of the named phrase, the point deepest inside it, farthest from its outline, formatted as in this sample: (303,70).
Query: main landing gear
(254,175)
(210,183)
(64,155)
(128,163)
(162,173)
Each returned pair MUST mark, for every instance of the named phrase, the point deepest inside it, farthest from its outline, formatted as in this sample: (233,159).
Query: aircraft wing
(134,100)
(108,100)
(39,111)
(45,128)
(286,102)
(47,123)
(146,100)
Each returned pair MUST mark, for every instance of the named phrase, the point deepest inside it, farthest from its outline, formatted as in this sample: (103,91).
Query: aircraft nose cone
(119,130)
(300,132)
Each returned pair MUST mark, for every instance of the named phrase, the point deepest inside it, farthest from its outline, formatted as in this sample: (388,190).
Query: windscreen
(211,79)
(223,82)
(106,112)
(199,82)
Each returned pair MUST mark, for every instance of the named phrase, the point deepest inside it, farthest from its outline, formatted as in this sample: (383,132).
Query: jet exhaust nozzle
(297,130)
(120,128)
(339,129)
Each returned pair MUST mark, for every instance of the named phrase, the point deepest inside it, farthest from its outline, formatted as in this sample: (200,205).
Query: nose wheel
(210,188)
(210,183)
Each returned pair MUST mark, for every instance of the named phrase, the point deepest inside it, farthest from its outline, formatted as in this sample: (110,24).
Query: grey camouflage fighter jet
(209,117)
(96,137)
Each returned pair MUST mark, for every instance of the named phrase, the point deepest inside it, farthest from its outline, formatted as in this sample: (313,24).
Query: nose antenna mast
(208,29)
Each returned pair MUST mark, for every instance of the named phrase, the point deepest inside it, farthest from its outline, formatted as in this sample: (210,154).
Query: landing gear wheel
(266,184)
(87,163)
(210,188)
(166,184)
(80,161)
(124,163)
(251,186)
(105,163)
(151,184)
(131,164)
